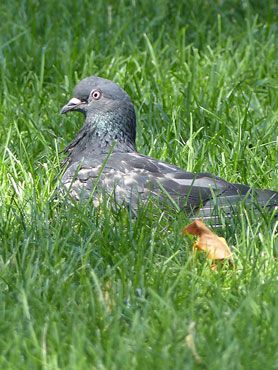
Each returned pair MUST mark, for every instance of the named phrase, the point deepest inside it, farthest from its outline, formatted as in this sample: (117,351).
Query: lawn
(84,288)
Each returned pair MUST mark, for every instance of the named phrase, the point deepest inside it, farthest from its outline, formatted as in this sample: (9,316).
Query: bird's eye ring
(96,94)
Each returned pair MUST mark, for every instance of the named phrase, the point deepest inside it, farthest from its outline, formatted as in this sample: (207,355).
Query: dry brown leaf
(215,246)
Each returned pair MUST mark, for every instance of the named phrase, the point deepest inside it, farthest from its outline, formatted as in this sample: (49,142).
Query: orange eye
(96,95)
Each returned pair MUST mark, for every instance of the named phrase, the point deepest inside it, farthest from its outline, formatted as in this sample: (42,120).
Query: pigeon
(102,161)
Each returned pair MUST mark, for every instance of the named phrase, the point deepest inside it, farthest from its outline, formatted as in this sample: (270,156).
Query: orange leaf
(215,246)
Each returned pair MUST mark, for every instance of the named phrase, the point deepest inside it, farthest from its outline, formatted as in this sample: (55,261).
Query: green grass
(95,289)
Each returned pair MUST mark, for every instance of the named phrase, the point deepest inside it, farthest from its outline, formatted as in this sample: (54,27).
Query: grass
(82,288)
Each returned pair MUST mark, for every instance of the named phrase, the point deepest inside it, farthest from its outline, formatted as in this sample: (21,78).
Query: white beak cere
(74,102)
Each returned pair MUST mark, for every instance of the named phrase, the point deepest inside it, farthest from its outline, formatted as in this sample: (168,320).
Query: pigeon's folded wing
(133,177)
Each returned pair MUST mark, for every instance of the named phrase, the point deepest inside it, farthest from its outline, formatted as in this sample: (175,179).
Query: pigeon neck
(102,134)
(106,131)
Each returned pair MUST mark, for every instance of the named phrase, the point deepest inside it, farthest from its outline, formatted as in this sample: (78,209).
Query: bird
(102,161)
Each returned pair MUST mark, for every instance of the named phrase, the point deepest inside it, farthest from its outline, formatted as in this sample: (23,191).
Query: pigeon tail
(228,206)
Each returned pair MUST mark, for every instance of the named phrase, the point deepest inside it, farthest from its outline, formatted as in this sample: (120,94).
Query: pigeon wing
(131,178)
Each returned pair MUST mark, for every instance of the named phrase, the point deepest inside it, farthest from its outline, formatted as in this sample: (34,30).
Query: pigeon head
(109,112)
(95,95)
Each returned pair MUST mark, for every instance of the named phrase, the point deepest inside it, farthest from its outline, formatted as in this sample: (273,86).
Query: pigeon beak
(71,105)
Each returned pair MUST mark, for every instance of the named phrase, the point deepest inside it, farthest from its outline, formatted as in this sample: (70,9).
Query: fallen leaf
(215,246)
